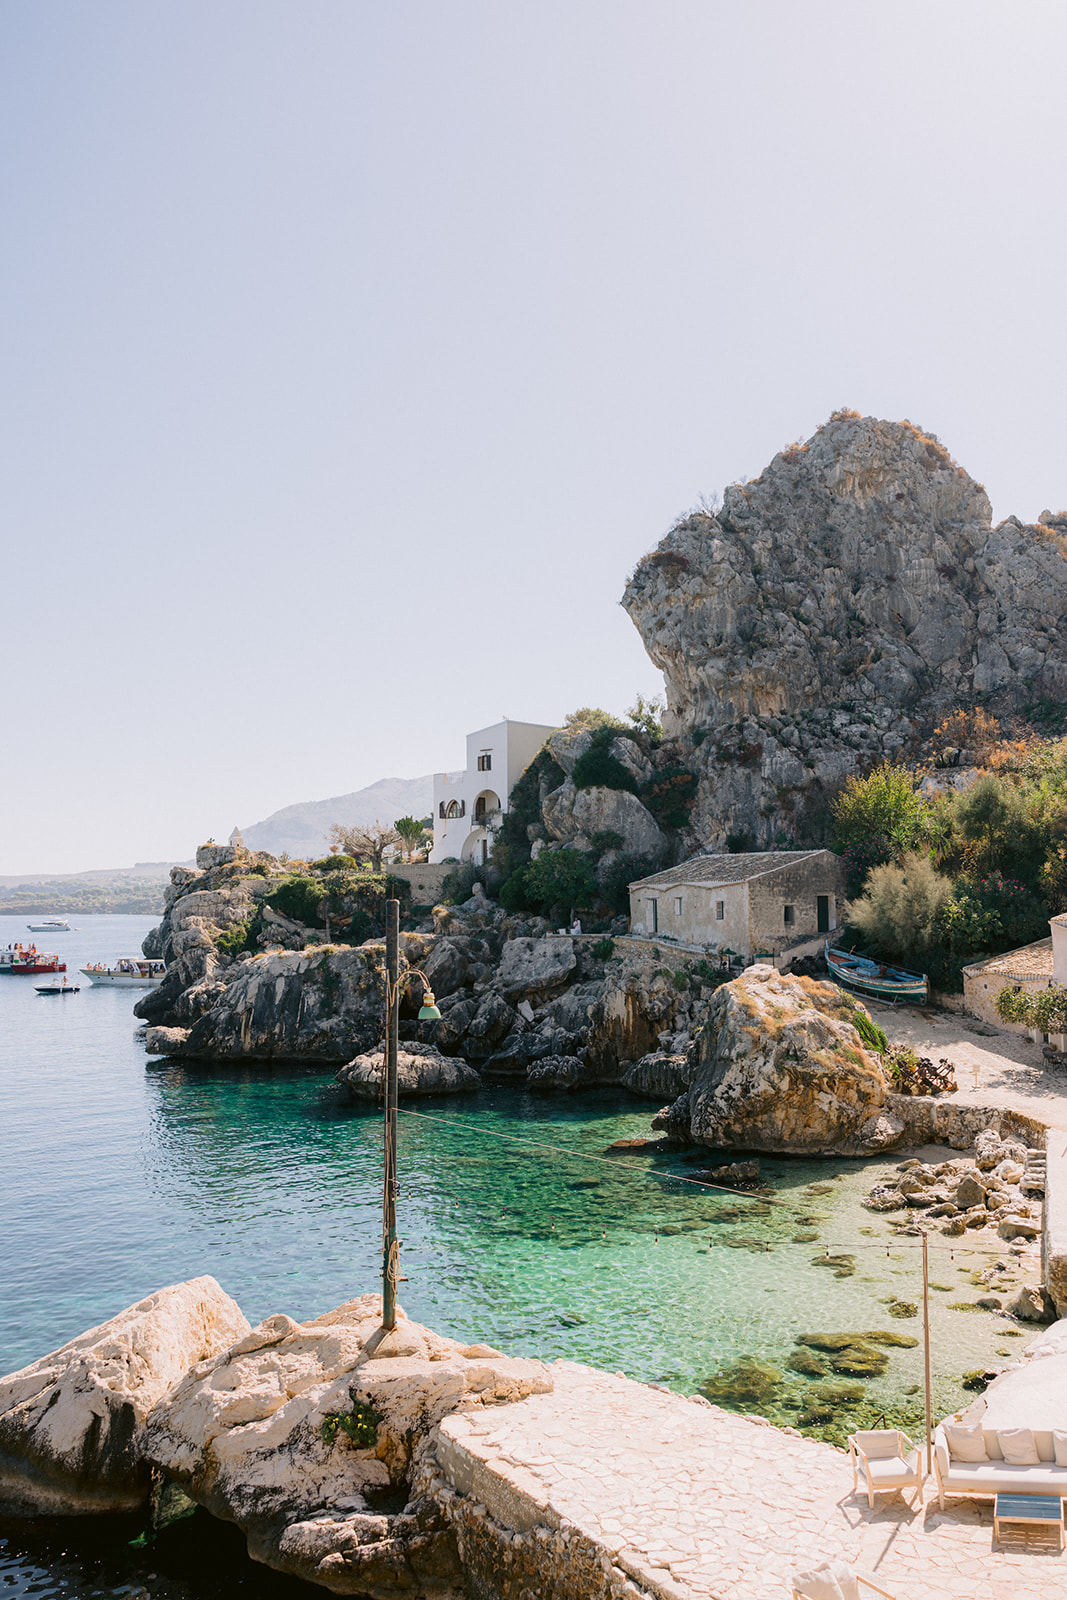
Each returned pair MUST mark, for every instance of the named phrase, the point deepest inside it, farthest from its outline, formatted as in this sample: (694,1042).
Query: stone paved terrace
(695,1503)
(1011,1069)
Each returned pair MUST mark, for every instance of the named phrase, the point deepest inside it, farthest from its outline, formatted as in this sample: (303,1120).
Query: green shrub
(560,881)
(511,846)
(233,941)
(604,949)
(616,880)
(605,839)
(599,769)
(740,841)
(594,717)
(299,898)
(360,1425)
(1046,1009)
(458,886)
(514,894)
(898,912)
(884,804)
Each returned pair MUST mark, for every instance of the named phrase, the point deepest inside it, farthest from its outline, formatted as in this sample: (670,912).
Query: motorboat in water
(876,978)
(51,925)
(58,988)
(128,972)
(25,960)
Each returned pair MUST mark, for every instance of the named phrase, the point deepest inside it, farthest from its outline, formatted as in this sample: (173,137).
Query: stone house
(762,902)
(468,804)
(1030,968)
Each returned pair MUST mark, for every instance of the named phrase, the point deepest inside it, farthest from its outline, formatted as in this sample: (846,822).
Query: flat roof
(712,870)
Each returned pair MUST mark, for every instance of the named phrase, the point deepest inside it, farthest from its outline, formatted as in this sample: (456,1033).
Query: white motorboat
(128,972)
(51,925)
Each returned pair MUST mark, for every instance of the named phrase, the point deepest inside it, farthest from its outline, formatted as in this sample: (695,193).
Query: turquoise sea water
(121,1173)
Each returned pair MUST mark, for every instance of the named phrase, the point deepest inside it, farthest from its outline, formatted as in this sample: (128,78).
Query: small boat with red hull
(26,960)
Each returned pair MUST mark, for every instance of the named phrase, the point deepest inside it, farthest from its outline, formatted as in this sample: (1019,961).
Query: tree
(593,717)
(560,881)
(364,840)
(647,715)
(884,804)
(412,832)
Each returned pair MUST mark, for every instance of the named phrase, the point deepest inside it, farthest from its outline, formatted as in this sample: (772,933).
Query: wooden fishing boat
(876,978)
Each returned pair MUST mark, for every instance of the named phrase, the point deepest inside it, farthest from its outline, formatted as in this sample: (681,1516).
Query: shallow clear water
(121,1174)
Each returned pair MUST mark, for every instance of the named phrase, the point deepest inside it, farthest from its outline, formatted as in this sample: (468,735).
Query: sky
(351,355)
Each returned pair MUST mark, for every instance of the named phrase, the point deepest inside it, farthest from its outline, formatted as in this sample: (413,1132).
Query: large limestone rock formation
(832,610)
(781,1067)
(71,1424)
(863,561)
(292,1432)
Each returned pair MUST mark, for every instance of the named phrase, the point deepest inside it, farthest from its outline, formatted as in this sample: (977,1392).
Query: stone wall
(1054,1238)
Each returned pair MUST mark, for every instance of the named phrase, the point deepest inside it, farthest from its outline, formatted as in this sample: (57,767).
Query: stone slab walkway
(1011,1069)
(695,1503)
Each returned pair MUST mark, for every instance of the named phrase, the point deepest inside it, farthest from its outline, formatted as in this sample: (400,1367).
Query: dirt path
(1011,1070)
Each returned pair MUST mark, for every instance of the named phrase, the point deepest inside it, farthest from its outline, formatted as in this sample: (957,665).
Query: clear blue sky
(353,353)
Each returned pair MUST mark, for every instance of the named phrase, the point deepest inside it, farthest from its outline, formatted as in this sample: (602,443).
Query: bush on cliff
(884,805)
(556,884)
(299,898)
(669,795)
(599,769)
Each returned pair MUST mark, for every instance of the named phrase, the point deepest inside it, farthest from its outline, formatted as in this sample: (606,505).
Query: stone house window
(790,916)
(720,910)
(653,915)
(677,905)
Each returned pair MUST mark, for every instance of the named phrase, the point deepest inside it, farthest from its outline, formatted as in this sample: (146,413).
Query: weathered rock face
(569,813)
(660,1075)
(71,1424)
(535,967)
(832,610)
(249,1435)
(420,1070)
(780,1067)
(862,562)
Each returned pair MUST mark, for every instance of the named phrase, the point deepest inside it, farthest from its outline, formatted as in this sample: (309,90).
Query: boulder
(970,1192)
(781,1067)
(535,967)
(421,1069)
(491,1023)
(1032,1303)
(292,1431)
(71,1424)
(1018,1228)
(661,1075)
(165,1041)
(559,1072)
(569,813)
(447,966)
(567,744)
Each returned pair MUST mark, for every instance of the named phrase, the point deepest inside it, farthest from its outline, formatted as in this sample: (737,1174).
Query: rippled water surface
(121,1174)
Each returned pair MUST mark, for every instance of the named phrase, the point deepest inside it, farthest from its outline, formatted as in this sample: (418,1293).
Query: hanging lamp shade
(428,1011)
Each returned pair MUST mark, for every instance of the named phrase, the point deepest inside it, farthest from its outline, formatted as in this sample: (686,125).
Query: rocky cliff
(832,610)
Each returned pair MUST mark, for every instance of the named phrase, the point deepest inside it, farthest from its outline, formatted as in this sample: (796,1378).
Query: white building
(1059,948)
(468,805)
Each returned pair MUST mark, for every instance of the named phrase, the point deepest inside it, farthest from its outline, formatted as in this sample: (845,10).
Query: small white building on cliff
(468,805)
(766,901)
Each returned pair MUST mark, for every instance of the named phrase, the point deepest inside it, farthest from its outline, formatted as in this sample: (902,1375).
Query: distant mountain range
(302,830)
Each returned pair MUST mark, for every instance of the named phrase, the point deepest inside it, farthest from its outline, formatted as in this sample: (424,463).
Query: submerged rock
(71,1425)
(747,1383)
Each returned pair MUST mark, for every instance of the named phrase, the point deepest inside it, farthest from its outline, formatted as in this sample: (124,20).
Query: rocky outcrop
(659,1076)
(317,1005)
(571,815)
(420,1070)
(535,968)
(832,609)
(293,1432)
(780,1066)
(71,1424)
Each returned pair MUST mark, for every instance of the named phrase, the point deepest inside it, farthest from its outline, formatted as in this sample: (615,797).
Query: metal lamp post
(427,1013)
